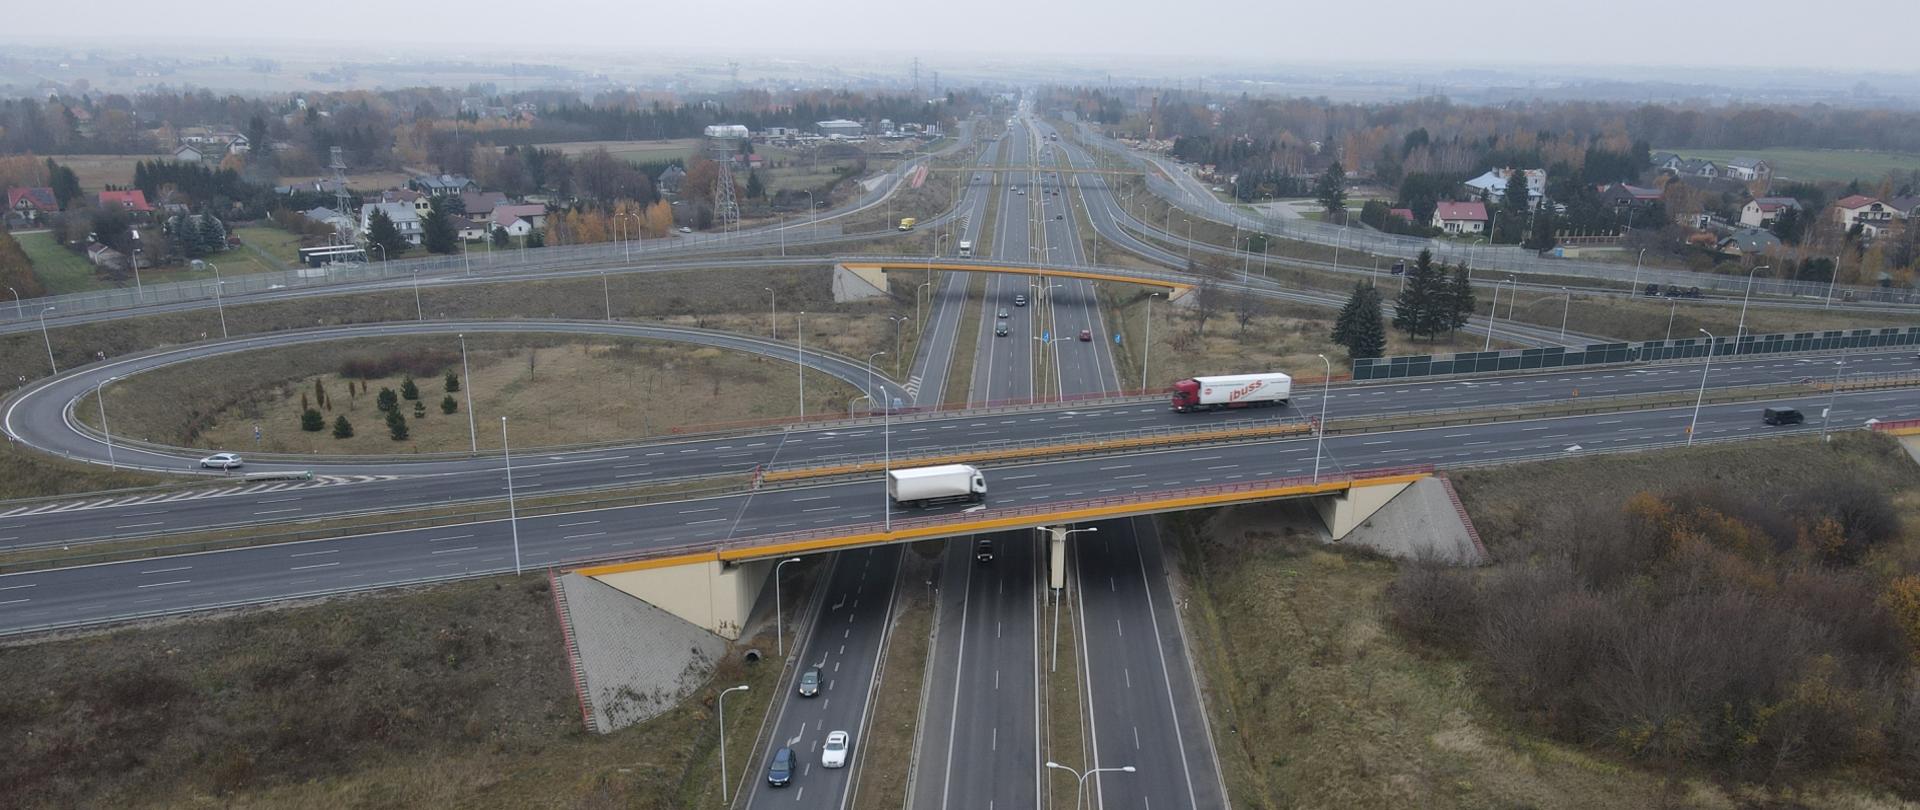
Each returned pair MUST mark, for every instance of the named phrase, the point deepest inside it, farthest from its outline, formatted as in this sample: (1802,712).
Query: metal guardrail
(1558,357)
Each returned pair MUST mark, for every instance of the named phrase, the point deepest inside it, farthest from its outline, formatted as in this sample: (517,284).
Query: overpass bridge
(716,588)
(858,277)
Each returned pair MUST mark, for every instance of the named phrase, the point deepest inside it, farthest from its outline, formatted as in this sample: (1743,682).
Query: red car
(1086,334)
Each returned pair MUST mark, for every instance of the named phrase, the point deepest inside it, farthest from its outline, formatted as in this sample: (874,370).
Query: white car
(834,754)
(222,461)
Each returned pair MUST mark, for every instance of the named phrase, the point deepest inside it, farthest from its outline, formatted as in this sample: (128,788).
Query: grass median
(1061,690)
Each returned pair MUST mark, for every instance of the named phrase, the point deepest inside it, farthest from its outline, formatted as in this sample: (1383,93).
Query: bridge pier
(1057,558)
(858,283)
(701,589)
(1345,510)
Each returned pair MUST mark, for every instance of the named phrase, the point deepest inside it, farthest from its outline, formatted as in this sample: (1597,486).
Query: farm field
(633,151)
(63,271)
(1815,164)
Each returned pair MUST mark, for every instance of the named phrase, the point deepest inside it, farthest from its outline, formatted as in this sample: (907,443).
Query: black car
(1782,415)
(983,551)
(781,771)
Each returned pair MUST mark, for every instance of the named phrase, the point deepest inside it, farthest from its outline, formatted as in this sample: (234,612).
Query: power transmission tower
(916,76)
(726,209)
(733,70)
(338,164)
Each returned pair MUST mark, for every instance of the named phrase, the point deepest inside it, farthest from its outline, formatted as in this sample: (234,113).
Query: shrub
(448,405)
(311,421)
(453,382)
(419,410)
(388,400)
(419,362)
(397,425)
(342,429)
(409,390)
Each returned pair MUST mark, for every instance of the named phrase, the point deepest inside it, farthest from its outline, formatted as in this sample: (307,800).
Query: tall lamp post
(139,290)
(606,292)
(800,358)
(466,385)
(19,310)
(420,312)
(1147,349)
(1054,664)
(1080,779)
(48,339)
(100,399)
(513,513)
(723,737)
(1320,430)
(1565,308)
(870,372)
(1742,328)
(897,354)
(779,626)
(1634,291)
(1826,414)
(1693,425)
(218,298)
(773,313)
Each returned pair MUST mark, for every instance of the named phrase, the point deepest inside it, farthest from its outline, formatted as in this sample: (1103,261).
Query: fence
(1425,365)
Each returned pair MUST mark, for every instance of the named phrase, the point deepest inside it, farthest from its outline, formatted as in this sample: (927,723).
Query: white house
(1747,169)
(1458,217)
(519,220)
(1760,212)
(1872,215)
(1493,185)
(402,214)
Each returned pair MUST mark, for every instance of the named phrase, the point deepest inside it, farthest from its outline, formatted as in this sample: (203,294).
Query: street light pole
(1832,277)
(218,302)
(1701,397)
(1320,430)
(897,353)
(1054,664)
(1635,289)
(606,292)
(1080,779)
(49,340)
(473,436)
(100,399)
(1564,309)
(773,313)
(139,290)
(870,372)
(1826,415)
(1147,349)
(19,310)
(800,358)
(419,312)
(513,513)
(1741,329)
(779,626)
(723,737)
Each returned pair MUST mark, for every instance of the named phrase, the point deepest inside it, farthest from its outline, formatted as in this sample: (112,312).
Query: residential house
(188,153)
(239,144)
(471,229)
(1402,213)
(441,185)
(519,220)
(671,179)
(132,201)
(421,203)
(1872,215)
(1620,196)
(30,203)
(1748,169)
(404,218)
(316,186)
(1493,185)
(1749,242)
(1460,217)
(478,204)
(1761,212)
(331,218)
(1906,207)
(1666,162)
(1697,168)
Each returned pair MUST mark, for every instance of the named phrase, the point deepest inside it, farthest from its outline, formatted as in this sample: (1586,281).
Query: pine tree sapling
(388,400)
(396,425)
(419,410)
(448,405)
(342,429)
(311,421)
(453,382)
(409,389)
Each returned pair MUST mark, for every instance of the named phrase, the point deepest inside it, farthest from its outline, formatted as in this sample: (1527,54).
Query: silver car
(222,461)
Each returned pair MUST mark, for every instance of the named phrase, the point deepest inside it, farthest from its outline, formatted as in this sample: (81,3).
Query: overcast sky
(1875,36)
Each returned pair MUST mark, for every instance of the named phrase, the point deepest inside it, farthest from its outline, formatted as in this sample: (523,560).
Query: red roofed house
(32,202)
(1403,213)
(133,201)
(1762,212)
(519,220)
(1460,217)
(1872,215)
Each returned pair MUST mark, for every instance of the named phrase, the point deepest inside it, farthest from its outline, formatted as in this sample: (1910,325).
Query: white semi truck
(1232,391)
(932,486)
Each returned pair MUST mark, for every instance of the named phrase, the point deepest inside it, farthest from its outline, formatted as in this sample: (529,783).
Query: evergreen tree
(396,425)
(1542,239)
(1344,325)
(1460,301)
(1413,311)
(381,231)
(755,189)
(210,234)
(409,390)
(388,400)
(65,183)
(448,405)
(311,421)
(1515,207)
(1369,338)
(499,236)
(453,382)
(1331,190)
(419,410)
(436,228)
(342,429)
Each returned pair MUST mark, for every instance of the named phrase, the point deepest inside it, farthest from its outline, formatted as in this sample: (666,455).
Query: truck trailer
(932,486)
(1232,391)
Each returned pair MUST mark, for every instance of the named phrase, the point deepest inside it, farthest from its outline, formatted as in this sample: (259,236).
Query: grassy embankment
(1325,706)
(450,696)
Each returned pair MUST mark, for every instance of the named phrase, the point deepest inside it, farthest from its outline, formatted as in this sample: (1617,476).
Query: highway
(111,591)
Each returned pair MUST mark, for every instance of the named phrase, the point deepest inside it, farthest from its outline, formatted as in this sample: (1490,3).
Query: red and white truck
(1232,391)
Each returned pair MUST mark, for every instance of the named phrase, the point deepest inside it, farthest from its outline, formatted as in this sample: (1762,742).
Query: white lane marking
(161,570)
(310,567)
(164,584)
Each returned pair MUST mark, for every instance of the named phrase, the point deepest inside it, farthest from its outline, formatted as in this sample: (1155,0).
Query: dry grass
(1062,689)
(1502,499)
(966,336)
(31,475)
(1285,336)
(554,390)
(451,696)
(896,707)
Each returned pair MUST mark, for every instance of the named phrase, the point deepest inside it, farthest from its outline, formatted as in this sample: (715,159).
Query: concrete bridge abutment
(1344,511)
(702,589)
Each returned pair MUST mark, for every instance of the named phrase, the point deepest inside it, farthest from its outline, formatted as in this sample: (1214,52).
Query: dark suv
(1782,415)
(781,771)
(983,551)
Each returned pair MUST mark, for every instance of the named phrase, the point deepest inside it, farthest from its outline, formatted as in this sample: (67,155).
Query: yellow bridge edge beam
(1175,286)
(1037,452)
(1071,515)
(1905,431)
